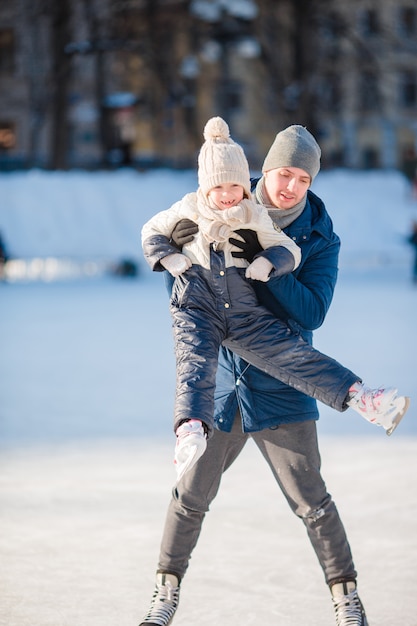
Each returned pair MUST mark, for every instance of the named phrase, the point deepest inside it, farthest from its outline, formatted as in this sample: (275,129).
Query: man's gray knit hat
(294,146)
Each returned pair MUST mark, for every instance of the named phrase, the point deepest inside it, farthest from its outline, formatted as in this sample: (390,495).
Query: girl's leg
(197,340)
(268,343)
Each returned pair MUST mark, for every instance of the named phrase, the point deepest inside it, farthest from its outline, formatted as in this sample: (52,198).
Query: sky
(86,396)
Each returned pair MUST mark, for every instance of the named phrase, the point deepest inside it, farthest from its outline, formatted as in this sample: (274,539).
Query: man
(249,403)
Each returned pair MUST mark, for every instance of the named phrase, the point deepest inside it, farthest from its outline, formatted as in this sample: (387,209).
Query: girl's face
(226,195)
(286,186)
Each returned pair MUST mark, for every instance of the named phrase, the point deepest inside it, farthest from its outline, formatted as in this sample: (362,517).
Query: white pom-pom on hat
(216,128)
(221,160)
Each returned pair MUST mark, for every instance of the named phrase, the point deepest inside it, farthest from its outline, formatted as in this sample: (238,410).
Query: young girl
(213,302)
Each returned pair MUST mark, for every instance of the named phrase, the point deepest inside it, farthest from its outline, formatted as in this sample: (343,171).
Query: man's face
(286,186)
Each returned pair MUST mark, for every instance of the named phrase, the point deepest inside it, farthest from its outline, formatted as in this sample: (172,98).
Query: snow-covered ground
(86,395)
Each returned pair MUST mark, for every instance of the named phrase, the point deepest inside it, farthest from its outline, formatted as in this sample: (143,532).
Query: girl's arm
(156,236)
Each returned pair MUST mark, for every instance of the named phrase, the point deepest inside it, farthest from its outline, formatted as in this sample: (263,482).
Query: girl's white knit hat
(221,160)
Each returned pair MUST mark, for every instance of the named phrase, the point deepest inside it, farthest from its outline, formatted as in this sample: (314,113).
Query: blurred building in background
(106,83)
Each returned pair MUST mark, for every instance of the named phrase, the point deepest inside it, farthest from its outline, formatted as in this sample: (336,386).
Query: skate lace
(371,400)
(163,606)
(349,610)
(378,401)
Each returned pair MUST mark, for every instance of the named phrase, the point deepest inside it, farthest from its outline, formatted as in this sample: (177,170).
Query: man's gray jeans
(291,451)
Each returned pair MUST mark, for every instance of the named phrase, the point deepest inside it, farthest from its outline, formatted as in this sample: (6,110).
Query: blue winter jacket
(302,300)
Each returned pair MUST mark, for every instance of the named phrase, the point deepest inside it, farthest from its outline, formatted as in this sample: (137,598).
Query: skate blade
(399,416)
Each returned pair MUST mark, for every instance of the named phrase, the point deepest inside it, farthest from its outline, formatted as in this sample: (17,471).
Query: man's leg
(293,456)
(191,499)
(192,496)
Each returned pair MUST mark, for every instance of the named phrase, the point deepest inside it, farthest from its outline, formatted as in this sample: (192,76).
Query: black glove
(183,232)
(250,246)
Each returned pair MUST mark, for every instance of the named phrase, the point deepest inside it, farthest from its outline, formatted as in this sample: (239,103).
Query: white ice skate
(382,406)
(191,445)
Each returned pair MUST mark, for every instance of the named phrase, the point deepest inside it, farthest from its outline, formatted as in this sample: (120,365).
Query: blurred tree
(60,14)
(95,37)
(35,53)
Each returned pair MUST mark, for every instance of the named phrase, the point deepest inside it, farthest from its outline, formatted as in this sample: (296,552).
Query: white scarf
(217,225)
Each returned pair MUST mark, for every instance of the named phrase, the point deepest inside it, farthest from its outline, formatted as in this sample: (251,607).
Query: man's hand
(249,247)
(183,232)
